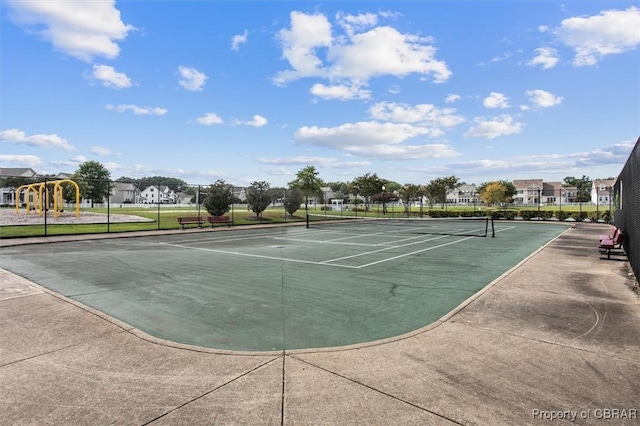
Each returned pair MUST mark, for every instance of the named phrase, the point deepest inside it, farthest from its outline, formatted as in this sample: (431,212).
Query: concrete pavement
(559,336)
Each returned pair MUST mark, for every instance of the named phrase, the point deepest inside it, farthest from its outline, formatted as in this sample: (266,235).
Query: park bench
(611,235)
(608,244)
(219,219)
(187,220)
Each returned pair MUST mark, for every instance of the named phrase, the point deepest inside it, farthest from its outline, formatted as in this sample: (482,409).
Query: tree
(340,190)
(367,186)
(292,201)
(409,193)
(219,198)
(259,197)
(69,191)
(308,182)
(583,186)
(97,179)
(508,190)
(437,189)
(493,193)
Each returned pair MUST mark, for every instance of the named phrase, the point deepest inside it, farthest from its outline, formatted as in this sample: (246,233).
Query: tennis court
(291,287)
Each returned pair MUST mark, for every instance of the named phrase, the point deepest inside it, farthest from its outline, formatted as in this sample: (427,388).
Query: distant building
(7,193)
(602,191)
(158,195)
(124,192)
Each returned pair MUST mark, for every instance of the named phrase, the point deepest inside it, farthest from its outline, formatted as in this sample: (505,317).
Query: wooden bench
(608,244)
(219,219)
(187,220)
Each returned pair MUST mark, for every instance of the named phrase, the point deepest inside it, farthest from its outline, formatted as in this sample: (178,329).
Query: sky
(250,91)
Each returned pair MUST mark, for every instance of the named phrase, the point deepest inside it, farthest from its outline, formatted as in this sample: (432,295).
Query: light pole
(384,206)
(539,201)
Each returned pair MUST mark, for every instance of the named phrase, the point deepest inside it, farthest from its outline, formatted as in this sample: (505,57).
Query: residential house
(158,195)
(7,194)
(464,195)
(528,191)
(602,191)
(240,193)
(124,193)
(536,191)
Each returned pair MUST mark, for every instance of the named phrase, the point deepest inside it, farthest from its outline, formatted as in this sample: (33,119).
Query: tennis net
(463,226)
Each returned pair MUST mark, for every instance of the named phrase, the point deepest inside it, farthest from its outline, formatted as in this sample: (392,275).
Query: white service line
(235,253)
(384,249)
(325,242)
(250,237)
(414,252)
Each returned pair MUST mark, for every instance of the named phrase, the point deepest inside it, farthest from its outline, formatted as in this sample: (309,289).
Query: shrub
(528,214)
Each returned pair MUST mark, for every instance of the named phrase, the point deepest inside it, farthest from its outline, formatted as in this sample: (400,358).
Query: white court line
(235,253)
(404,245)
(250,237)
(384,249)
(414,252)
(325,242)
(325,263)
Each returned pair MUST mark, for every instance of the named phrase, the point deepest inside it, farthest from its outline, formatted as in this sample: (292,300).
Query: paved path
(560,335)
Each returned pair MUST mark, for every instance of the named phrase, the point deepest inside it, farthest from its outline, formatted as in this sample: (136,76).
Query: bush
(528,214)
(443,213)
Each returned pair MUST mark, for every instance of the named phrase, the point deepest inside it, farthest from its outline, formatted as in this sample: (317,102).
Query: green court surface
(278,288)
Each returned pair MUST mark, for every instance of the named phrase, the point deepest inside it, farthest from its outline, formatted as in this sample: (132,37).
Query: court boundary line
(329,262)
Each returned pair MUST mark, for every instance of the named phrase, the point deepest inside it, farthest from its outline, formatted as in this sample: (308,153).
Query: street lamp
(539,201)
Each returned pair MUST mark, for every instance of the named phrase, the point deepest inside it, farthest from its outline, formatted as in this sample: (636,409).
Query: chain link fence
(37,206)
(627,207)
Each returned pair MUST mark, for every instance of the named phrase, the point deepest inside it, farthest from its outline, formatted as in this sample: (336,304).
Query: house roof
(124,186)
(17,172)
(528,183)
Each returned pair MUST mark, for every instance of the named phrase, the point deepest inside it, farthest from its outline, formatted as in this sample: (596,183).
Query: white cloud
(594,37)
(71,162)
(353,23)
(354,56)
(340,92)
(209,119)
(451,98)
(238,40)
(192,79)
(19,137)
(424,114)
(385,51)
(111,166)
(82,29)
(615,154)
(110,77)
(547,58)
(373,139)
(327,162)
(137,110)
(257,121)
(299,44)
(22,160)
(496,100)
(100,150)
(543,99)
(498,126)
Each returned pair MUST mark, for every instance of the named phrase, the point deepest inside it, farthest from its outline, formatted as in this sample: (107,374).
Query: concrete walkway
(557,337)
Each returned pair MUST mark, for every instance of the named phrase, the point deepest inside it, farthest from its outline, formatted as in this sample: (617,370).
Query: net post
(307,220)
(493,230)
